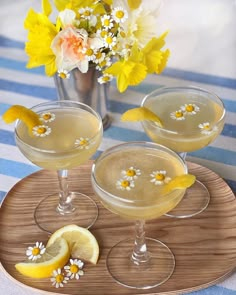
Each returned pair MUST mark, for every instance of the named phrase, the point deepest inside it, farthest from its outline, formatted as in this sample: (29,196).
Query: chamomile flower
(86,12)
(41,130)
(90,53)
(159,177)
(47,117)
(131,173)
(105,78)
(177,115)
(106,62)
(124,184)
(99,57)
(206,128)
(64,74)
(102,33)
(110,40)
(59,279)
(82,143)
(74,270)
(107,21)
(190,109)
(36,251)
(119,14)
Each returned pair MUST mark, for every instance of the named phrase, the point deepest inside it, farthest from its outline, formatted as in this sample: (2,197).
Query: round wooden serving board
(204,246)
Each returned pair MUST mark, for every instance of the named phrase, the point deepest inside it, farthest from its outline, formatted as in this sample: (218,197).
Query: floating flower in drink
(178,115)
(47,117)
(117,37)
(41,130)
(159,177)
(190,109)
(124,184)
(206,128)
(131,173)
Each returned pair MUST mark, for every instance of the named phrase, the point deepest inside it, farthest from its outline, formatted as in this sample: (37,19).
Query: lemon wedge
(29,117)
(140,114)
(55,256)
(81,241)
(179,182)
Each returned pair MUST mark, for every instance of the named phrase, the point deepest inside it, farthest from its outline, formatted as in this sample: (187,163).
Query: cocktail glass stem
(65,205)
(140,254)
(183,155)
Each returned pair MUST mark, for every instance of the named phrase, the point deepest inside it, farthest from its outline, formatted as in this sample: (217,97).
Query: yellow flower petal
(46,7)
(179,182)
(162,65)
(29,117)
(140,114)
(134,4)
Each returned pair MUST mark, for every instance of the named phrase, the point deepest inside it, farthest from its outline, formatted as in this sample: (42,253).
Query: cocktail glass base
(146,275)
(195,201)
(84,214)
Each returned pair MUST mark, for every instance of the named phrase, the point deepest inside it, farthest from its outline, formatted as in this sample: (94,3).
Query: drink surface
(143,169)
(190,121)
(74,138)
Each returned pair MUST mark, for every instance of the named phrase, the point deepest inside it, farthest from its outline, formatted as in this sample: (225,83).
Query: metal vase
(84,87)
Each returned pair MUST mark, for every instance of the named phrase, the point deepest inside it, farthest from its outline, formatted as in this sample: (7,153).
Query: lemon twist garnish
(140,114)
(179,182)
(29,117)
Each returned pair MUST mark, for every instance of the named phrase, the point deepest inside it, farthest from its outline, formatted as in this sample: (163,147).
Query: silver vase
(84,87)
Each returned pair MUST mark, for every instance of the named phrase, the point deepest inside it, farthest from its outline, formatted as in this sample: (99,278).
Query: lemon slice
(81,241)
(29,117)
(55,256)
(140,114)
(179,182)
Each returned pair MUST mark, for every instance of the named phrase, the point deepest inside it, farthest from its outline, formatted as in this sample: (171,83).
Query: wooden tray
(204,246)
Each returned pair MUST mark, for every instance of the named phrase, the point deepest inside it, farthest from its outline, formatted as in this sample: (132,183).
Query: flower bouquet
(116,37)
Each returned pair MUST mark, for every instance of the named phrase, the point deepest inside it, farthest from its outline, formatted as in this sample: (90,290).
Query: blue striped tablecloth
(28,87)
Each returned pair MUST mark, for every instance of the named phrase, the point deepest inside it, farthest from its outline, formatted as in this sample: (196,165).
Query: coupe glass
(191,119)
(74,132)
(125,179)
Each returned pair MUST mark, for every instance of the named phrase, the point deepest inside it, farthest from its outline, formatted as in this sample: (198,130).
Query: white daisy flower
(119,14)
(206,128)
(58,278)
(124,184)
(82,143)
(36,251)
(190,109)
(177,115)
(106,62)
(107,21)
(110,40)
(99,57)
(64,74)
(105,78)
(131,173)
(159,177)
(86,12)
(90,53)
(41,130)
(74,270)
(101,33)
(47,117)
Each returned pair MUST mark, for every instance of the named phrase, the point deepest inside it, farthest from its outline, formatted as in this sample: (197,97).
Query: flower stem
(140,254)
(65,205)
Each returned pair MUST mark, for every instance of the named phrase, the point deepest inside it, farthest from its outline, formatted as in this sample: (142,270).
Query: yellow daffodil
(40,36)
(153,57)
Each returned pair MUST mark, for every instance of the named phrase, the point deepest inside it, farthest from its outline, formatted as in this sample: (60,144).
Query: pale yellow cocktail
(191,118)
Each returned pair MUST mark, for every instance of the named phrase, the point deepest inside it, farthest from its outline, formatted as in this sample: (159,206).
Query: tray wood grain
(204,246)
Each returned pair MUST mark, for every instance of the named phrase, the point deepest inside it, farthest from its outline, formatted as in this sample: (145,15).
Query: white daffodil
(131,173)
(124,184)
(36,251)
(159,177)
(59,279)
(74,270)
(67,17)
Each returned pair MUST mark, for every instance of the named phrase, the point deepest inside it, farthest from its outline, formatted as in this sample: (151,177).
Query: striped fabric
(19,85)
